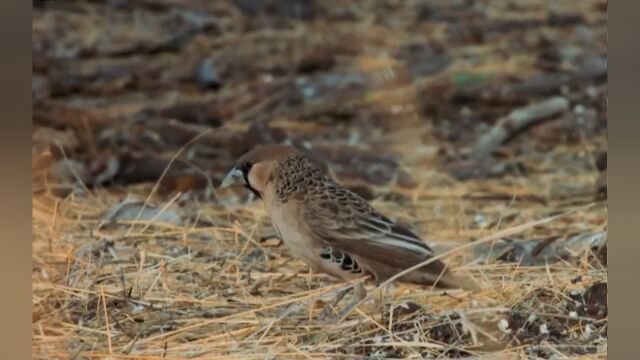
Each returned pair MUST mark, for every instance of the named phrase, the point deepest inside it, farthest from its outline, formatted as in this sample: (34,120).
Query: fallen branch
(539,252)
(514,122)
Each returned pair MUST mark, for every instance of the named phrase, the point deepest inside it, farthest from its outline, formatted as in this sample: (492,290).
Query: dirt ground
(480,124)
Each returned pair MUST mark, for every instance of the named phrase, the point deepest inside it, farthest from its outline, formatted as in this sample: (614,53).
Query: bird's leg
(328,309)
(360,292)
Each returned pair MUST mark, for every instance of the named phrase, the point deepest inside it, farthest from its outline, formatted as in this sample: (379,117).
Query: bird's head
(254,168)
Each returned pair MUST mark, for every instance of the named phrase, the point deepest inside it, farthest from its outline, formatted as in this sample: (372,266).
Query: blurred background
(460,118)
(370,87)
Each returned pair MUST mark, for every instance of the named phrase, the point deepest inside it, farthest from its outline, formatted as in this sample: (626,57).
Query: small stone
(503,325)
(544,329)
(396,109)
(570,53)
(208,76)
(584,34)
(573,315)
(481,221)
(592,91)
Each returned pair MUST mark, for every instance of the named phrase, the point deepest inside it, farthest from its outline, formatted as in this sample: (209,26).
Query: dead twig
(517,120)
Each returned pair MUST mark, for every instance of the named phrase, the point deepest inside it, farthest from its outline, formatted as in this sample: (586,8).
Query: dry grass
(209,288)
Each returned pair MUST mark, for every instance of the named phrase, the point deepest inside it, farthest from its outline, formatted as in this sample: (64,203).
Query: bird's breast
(289,224)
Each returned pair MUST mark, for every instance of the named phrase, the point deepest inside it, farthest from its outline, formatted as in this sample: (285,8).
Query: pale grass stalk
(164,173)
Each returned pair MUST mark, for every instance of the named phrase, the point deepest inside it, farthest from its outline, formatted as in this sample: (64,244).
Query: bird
(333,229)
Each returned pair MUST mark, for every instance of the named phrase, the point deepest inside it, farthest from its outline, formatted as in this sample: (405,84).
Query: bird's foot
(328,309)
(359,294)
(346,311)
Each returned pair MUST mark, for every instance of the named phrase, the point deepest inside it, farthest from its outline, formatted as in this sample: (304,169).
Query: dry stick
(266,328)
(388,331)
(164,173)
(106,319)
(486,239)
(298,351)
(257,108)
(52,227)
(515,121)
(298,297)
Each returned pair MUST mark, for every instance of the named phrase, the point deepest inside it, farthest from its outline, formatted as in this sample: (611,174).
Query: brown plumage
(331,228)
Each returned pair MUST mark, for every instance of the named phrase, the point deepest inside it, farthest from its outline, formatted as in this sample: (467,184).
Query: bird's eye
(246,166)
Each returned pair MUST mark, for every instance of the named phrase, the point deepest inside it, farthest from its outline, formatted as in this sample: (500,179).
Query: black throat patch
(245,174)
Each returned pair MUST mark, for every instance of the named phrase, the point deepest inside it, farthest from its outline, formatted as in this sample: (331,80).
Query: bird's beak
(234,176)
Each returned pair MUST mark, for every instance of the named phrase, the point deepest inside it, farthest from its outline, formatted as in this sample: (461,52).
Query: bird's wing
(341,219)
